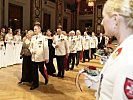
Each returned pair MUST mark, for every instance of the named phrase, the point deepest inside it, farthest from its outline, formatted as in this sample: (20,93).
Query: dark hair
(16,31)
(9,29)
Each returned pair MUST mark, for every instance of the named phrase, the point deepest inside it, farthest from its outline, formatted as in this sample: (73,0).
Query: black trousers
(35,72)
(77,57)
(86,55)
(71,58)
(93,50)
(50,67)
(60,64)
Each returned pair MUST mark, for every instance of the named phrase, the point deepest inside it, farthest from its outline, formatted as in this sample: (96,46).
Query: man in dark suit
(101,41)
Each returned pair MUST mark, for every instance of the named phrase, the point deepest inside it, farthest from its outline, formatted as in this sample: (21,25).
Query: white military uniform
(40,47)
(93,42)
(116,81)
(79,42)
(40,53)
(86,42)
(72,44)
(86,47)
(73,51)
(63,48)
(60,52)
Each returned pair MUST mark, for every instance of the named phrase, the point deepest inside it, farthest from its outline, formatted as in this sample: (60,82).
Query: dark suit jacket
(102,43)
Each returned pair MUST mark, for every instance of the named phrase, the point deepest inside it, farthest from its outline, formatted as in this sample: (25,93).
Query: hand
(73,50)
(33,53)
(46,61)
(57,46)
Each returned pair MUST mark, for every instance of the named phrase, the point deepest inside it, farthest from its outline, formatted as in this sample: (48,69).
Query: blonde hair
(31,32)
(78,32)
(47,33)
(64,33)
(122,7)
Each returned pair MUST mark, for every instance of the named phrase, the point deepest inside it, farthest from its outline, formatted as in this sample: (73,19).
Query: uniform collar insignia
(117,53)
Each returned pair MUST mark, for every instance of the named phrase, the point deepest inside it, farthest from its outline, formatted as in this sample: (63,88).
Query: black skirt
(26,69)
(50,66)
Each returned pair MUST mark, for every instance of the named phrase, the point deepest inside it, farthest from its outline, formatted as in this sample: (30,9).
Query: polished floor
(57,88)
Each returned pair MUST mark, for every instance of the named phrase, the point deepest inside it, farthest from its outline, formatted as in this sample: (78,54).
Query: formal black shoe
(30,82)
(46,81)
(71,68)
(20,82)
(62,76)
(33,87)
(58,75)
(67,69)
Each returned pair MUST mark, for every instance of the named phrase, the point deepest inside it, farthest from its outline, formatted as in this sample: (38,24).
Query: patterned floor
(57,88)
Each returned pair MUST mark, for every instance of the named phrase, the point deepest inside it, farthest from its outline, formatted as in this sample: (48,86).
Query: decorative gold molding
(36,14)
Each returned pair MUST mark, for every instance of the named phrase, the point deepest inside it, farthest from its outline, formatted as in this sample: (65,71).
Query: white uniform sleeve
(96,42)
(67,46)
(46,50)
(76,45)
(120,83)
(54,41)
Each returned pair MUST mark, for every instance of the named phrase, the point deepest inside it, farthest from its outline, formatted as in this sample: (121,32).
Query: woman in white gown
(9,53)
(17,46)
(2,54)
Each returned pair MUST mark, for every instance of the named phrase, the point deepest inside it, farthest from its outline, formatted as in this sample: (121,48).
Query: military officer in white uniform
(93,44)
(80,45)
(73,49)
(61,50)
(116,82)
(86,46)
(40,54)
